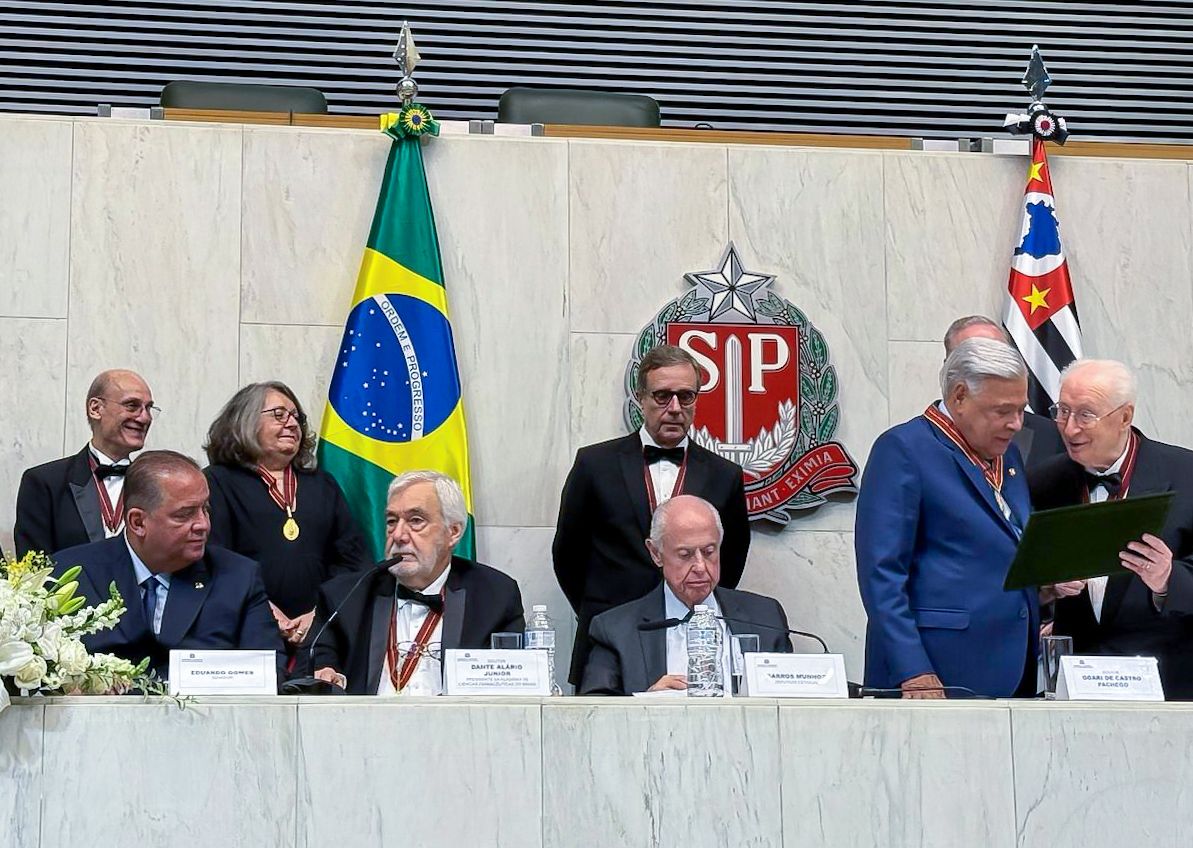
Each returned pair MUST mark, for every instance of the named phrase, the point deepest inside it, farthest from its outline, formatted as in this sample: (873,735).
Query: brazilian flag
(395,404)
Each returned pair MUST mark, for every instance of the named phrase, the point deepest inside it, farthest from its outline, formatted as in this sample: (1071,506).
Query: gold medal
(290,529)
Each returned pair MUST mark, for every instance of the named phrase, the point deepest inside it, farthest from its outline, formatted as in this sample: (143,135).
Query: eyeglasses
(1083,417)
(281,415)
(134,407)
(662,397)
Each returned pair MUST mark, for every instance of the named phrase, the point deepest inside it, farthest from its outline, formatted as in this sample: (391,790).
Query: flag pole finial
(1037,121)
(406,55)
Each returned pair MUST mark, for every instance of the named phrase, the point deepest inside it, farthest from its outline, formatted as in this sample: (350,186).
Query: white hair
(658,521)
(1115,377)
(976,360)
(447,490)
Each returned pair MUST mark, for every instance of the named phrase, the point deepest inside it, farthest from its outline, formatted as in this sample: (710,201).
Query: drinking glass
(506,641)
(746,643)
(1053,648)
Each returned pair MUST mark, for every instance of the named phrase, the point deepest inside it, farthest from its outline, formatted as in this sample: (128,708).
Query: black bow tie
(104,471)
(653,454)
(432,602)
(1112,482)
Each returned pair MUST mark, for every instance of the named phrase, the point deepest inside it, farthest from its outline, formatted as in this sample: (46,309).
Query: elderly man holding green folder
(1150,610)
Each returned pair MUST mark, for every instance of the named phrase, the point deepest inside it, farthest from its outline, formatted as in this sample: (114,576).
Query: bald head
(119,412)
(685,542)
(1095,411)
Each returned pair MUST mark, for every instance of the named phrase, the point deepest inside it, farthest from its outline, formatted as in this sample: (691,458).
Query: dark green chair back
(246,97)
(576,106)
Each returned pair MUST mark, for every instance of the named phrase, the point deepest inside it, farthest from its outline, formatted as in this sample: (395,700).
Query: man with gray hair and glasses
(1148,611)
(942,505)
(79,498)
(392,623)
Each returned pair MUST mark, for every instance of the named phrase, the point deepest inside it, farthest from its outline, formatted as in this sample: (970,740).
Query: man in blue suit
(178,591)
(942,505)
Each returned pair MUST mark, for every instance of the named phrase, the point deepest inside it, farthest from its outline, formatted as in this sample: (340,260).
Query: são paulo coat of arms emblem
(768,392)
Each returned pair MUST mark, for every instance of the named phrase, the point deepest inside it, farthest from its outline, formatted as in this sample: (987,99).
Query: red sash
(675,490)
(113,516)
(1127,471)
(992,471)
(400,677)
(287,496)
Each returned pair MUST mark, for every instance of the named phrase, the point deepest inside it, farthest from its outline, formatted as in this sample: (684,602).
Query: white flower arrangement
(42,623)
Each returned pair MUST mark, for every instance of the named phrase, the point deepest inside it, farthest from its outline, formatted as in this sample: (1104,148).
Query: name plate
(795,676)
(477,672)
(223,672)
(1108,679)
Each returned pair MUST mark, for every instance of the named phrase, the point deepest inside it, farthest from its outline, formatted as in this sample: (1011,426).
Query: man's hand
(1061,590)
(1151,559)
(669,681)
(923,687)
(330,675)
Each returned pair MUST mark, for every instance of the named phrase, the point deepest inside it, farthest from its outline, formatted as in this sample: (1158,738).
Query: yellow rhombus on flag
(395,402)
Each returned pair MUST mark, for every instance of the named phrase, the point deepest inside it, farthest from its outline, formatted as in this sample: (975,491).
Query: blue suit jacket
(933,549)
(216,603)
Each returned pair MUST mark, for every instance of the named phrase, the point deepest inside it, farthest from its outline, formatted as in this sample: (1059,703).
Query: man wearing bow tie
(395,623)
(614,487)
(1150,611)
(79,499)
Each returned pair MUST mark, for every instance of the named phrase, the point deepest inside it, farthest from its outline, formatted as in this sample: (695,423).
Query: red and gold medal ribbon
(400,677)
(992,471)
(287,495)
(1127,471)
(677,489)
(113,516)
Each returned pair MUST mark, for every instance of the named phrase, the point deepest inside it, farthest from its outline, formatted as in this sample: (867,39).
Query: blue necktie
(150,601)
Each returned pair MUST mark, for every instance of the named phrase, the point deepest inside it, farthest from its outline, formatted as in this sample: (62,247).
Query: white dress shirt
(677,637)
(113,485)
(1096,586)
(663,473)
(141,570)
(409,617)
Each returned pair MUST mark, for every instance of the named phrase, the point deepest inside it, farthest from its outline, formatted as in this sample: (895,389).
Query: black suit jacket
(600,552)
(217,603)
(1130,623)
(479,601)
(624,659)
(58,506)
(1039,440)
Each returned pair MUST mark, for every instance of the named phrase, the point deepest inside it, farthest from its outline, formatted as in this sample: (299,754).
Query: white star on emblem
(732,288)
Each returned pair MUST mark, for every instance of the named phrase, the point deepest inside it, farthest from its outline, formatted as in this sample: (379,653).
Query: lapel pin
(198,584)
(1011,471)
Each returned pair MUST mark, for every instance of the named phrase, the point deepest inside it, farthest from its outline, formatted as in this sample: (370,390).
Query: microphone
(787,630)
(878,692)
(312,685)
(661,624)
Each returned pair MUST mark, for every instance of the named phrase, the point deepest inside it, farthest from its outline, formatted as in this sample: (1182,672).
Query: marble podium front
(592,771)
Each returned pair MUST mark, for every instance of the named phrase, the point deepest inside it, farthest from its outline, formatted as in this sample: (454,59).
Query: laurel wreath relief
(768,448)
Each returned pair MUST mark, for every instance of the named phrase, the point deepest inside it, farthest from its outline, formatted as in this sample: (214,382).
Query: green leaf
(636,417)
(807,389)
(646,341)
(818,349)
(669,312)
(795,317)
(828,386)
(771,306)
(699,306)
(828,425)
(807,422)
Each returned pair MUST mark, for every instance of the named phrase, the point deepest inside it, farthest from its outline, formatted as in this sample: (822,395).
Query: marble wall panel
(952,221)
(641,216)
(616,772)
(1102,776)
(20,775)
(301,356)
(524,553)
(155,268)
(914,369)
(1126,226)
(307,205)
(897,775)
(159,775)
(474,779)
(34,230)
(814,576)
(598,386)
(33,351)
(505,259)
(813,218)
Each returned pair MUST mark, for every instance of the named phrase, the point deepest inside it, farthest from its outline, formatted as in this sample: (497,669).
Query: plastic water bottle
(540,636)
(704,654)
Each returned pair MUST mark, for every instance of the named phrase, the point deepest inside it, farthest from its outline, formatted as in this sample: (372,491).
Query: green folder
(1083,541)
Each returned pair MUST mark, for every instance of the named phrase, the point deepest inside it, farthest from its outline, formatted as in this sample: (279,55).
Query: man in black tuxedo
(1150,611)
(179,592)
(613,488)
(1038,439)
(685,545)
(78,499)
(392,620)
